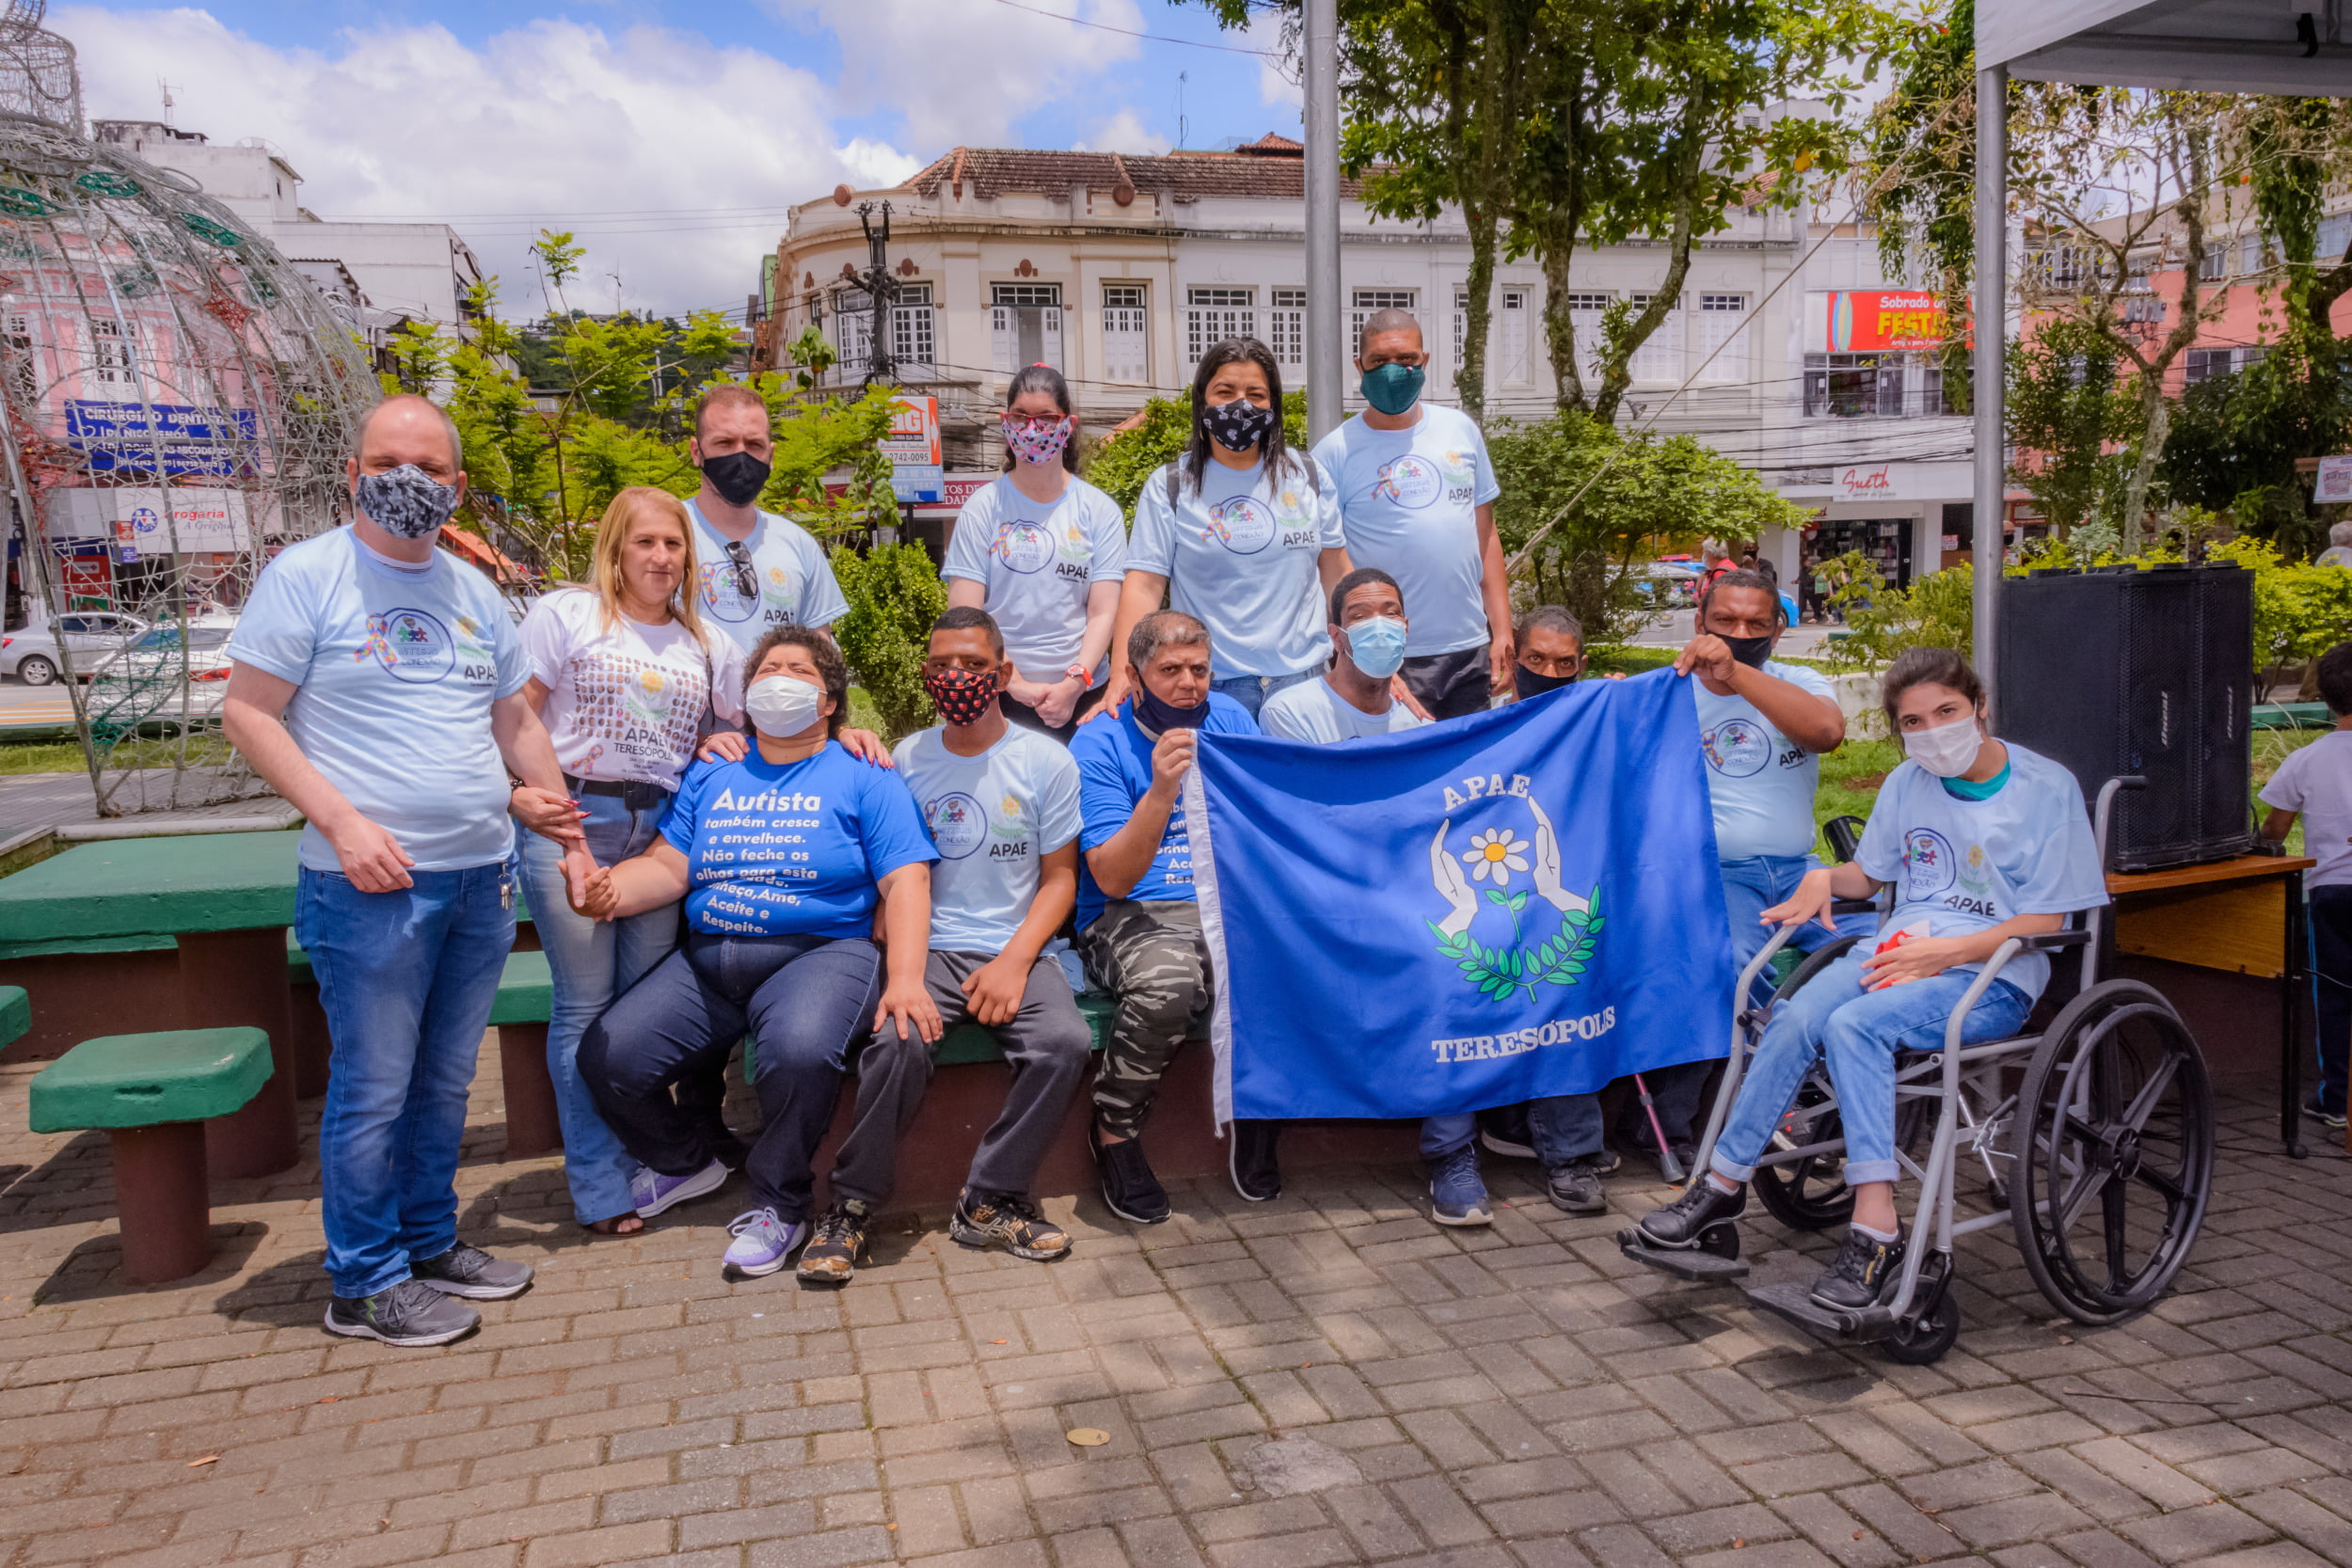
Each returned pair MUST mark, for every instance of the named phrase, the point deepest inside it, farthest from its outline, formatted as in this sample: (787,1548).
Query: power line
(1150,38)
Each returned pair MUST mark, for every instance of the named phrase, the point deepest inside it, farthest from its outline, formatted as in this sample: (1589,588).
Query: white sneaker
(650,1191)
(762,1241)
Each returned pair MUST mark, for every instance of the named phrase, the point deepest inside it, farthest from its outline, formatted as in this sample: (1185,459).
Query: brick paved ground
(1518,1397)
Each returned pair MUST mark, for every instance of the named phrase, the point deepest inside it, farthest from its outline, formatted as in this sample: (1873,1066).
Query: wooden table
(226,899)
(2240,916)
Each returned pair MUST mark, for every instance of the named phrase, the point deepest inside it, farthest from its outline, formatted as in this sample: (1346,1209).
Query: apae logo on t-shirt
(411,644)
(1928,865)
(1244,525)
(1411,482)
(1023,546)
(723,594)
(958,824)
(1736,748)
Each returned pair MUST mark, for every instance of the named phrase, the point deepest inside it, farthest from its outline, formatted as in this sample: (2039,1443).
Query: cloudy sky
(668,134)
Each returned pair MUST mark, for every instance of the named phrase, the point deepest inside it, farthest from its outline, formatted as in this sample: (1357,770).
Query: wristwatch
(1078,672)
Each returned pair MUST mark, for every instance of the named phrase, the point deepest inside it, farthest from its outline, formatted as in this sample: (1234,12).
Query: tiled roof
(1263,169)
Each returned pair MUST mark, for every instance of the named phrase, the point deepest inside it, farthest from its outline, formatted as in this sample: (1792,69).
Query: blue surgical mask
(1378,647)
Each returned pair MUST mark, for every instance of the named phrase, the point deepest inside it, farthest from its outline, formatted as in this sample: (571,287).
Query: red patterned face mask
(961,695)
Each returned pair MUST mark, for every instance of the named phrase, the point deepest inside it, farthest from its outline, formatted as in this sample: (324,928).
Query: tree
(1650,490)
(1121,463)
(2065,410)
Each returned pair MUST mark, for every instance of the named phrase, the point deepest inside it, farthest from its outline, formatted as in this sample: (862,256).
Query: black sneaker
(409,1313)
(983,1219)
(470,1272)
(1575,1187)
(1129,1188)
(1504,1131)
(1250,1155)
(1861,1273)
(2317,1110)
(838,1245)
(1700,1209)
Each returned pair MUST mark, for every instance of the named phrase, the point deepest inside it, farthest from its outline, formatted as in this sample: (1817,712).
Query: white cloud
(1124,132)
(551,117)
(964,71)
(1277,73)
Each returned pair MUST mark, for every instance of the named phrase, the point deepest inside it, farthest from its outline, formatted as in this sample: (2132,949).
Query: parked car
(31,653)
(142,679)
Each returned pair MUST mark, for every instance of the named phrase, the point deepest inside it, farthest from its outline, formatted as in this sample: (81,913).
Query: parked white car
(142,680)
(31,653)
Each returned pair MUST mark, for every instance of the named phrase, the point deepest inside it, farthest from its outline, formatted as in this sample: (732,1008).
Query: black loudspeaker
(2115,671)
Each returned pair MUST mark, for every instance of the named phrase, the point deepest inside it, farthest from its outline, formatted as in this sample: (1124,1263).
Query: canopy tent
(2294,47)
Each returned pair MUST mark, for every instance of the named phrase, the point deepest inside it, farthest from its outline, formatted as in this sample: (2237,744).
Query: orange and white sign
(913,438)
(1873,321)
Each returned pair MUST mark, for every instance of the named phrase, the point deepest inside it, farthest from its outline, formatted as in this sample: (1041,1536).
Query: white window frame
(1286,325)
(1363,302)
(113,352)
(1008,306)
(1215,311)
(1514,308)
(1660,360)
(1127,334)
(1721,317)
(1586,307)
(914,330)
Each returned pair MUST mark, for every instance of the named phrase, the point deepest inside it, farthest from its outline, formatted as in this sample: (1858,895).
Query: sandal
(619,1225)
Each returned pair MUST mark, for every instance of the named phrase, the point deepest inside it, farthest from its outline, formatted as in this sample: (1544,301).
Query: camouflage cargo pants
(1152,957)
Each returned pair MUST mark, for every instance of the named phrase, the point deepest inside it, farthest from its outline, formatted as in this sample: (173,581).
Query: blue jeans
(1751,886)
(406,979)
(1858,1032)
(807,1000)
(1566,1125)
(1251,691)
(592,962)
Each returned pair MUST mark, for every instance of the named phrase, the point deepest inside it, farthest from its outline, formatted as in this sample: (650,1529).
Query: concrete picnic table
(227,900)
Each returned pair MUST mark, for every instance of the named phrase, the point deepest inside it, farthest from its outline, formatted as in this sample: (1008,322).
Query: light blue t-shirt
(788,567)
(791,850)
(1314,712)
(1114,760)
(1409,499)
(992,818)
(1037,565)
(396,673)
(1965,865)
(1762,782)
(1239,556)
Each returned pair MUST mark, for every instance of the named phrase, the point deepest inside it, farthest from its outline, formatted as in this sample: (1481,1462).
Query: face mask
(1750,651)
(1238,425)
(780,706)
(738,476)
(1392,387)
(1378,647)
(961,695)
(406,502)
(1160,717)
(1033,444)
(1948,751)
(1527,683)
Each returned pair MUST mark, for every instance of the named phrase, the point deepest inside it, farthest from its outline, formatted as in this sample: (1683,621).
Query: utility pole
(1991,310)
(1325,376)
(880,288)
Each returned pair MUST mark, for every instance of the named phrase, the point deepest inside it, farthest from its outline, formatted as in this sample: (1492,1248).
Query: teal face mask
(1378,647)
(1392,387)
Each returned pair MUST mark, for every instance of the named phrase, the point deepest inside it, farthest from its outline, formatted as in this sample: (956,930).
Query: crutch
(1668,1164)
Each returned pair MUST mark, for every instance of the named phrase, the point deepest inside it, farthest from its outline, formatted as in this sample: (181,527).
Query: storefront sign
(1870,321)
(1903,481)
(145,520)
(2335,480)
(913,448)
(165,437)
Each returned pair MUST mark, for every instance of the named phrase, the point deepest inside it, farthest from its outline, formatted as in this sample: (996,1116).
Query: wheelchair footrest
(1705,1268)
(1795,1303)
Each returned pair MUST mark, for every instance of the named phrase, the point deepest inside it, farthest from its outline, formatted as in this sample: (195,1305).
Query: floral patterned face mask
(1033,441)
(406,502)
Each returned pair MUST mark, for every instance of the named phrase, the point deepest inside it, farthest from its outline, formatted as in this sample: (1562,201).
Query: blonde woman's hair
(612,533)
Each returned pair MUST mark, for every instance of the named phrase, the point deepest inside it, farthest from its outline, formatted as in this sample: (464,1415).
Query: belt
(636,794)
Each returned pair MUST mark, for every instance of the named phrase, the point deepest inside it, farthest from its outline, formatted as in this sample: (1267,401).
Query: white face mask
(780,706)
(1948,751)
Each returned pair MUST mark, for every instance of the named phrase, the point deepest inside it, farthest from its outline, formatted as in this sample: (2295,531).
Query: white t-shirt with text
(1409,499)
(1240,556)
(1762,781)
(794,583)
(626,700)
(1314,712)
(992,818)
(1037,563)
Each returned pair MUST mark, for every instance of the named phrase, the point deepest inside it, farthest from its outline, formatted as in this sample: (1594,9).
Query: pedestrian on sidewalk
(399,676)
(2316,784)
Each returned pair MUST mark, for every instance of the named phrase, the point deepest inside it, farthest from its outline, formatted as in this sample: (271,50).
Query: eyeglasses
(1033,422)
(746,580)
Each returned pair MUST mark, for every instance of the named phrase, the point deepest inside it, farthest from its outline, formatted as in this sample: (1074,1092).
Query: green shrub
(894,595)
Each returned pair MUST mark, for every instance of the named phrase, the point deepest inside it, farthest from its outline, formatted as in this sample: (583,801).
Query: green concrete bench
(973,1043)
(153,1094)
(16,1014)
(525,1002)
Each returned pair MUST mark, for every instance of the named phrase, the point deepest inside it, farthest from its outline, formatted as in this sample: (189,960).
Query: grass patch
(211,750)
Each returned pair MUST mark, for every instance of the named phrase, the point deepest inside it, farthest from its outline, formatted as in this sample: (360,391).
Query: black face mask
(1239,425)
(1159,718)
(738,476)
(1750,651)
(1527,683)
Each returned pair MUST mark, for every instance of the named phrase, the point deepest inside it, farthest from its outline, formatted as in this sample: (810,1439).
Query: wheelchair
(2095,1138)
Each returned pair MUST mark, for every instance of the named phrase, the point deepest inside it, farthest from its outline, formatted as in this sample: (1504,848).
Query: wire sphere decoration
(176,404)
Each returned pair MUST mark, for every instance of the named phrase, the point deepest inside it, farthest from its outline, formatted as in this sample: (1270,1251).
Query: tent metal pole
(1991,311)
(1325,376)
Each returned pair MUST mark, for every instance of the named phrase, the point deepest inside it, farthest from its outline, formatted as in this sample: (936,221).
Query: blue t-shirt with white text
(1114,759)
(790,851)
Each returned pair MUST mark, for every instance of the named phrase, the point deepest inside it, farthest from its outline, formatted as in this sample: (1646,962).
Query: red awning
(480,552)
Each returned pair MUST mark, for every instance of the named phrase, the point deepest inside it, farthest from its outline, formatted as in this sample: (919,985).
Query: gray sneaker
(409,1313)
(1575,1187)
(470,1272)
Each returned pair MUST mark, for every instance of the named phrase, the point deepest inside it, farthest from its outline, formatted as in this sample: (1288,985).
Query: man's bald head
(406,428)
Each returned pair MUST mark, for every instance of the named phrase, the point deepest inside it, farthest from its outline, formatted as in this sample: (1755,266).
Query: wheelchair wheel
(1927,1337)
(1810,1194)
(2112,1153)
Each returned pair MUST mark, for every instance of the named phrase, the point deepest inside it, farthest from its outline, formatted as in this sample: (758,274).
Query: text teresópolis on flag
(1520,903)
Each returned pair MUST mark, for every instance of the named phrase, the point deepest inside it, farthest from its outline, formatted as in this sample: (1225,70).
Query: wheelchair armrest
(2051,941)
(1854,906)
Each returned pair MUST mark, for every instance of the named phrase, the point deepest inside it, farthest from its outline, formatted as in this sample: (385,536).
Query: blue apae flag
(1520,903)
